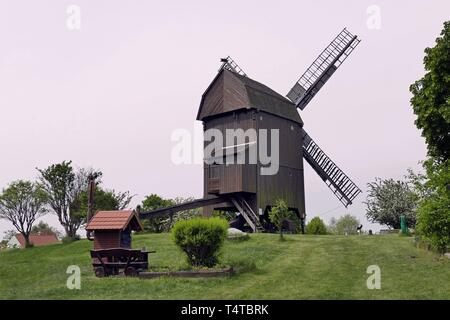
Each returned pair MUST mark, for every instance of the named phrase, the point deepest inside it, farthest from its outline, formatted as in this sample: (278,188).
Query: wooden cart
(115,261)
(112,254)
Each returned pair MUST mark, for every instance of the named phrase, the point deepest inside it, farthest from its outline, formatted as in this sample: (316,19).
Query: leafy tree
(22,202)
(346,224)
(63,186)
(165,223)
(388,199)
(44,228)
(316,226)
(103,200)
(182,215)
(431,104)
(152,202)
(279,214)
(431,97)
(433,213)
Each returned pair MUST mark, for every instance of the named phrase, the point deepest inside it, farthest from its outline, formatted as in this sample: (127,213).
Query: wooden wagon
(131,262)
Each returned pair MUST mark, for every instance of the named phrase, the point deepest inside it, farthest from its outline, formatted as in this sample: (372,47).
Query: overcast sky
(110,94)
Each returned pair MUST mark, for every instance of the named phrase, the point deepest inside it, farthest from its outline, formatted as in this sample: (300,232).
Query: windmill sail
(231,65)
(341,185)
(322,68)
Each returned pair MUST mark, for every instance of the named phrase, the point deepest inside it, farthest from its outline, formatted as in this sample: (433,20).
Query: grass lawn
(303,267)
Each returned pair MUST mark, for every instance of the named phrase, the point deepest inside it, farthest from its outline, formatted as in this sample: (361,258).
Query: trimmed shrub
(201,239)
(316,226)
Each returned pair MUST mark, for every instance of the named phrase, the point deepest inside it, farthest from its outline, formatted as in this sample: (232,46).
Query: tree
(431,98)
(388,199)
(182,215)
(346,224)
(433,213)
(63,186)
(166,223)
(431,104)
(103,200)
(152,202)
(279,214)
(316,226)
(22,202)
(45,229)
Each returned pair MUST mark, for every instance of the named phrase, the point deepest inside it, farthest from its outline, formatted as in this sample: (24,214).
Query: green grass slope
(303,267)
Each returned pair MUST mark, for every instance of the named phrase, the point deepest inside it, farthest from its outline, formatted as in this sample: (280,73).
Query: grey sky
(110,94)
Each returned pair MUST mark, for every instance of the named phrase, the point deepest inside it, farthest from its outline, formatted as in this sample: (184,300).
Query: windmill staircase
(238,201)
(338,182)
(247,213)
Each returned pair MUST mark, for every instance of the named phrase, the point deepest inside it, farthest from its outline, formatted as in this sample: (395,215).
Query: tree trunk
(27,240)
(67,230)
(72,232)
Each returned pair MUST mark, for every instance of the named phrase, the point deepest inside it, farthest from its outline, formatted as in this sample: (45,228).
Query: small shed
(112,229)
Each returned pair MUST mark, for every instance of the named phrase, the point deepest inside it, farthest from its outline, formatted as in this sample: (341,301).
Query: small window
(213,171)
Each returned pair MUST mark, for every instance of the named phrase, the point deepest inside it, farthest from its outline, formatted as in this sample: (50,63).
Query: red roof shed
(37,239)
(112,229)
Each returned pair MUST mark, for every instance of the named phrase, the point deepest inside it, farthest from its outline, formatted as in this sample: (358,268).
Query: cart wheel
(99,272)
(131,272)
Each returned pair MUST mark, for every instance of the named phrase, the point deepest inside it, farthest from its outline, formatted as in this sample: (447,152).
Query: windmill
(233,100)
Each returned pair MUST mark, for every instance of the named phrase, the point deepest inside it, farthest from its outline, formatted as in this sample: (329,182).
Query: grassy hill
(303,267)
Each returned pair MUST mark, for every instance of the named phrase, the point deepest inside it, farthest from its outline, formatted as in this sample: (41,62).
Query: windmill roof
(114,220)
(230,91)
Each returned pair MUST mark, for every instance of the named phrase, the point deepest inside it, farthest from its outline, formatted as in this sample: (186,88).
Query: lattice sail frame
(230,65)
(318,73)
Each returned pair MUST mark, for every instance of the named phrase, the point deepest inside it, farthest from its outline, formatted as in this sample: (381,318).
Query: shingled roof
(114,220)
(230,91)
(38,239)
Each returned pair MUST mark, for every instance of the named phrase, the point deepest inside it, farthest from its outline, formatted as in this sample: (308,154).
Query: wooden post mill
(235,101)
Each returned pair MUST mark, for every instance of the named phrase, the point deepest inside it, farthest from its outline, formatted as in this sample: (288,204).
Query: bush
(316,226)
(433,218)
(345,225)
(201,239)
(67,239)
(433,223)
